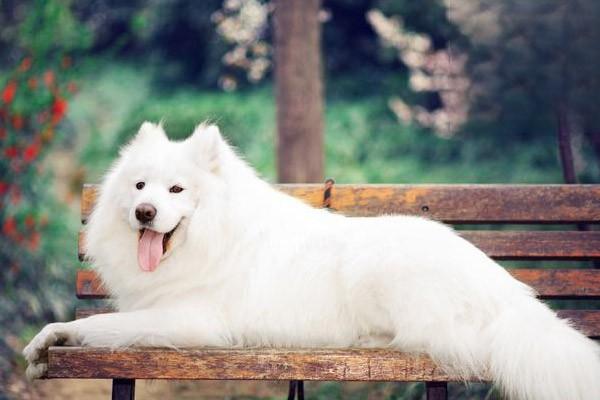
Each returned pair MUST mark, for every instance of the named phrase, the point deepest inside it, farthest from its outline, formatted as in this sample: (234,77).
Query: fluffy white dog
(196,250)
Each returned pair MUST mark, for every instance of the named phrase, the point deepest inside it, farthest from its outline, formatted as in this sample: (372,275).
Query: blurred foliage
(33,232)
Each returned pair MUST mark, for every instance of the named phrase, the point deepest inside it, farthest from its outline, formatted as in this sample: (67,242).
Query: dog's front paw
(36,352)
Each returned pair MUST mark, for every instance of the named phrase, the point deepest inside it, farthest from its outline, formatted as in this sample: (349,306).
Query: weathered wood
(539,245)
(587,321)
(88,285)
(436,390)
(84,312)
(450,203)
(561,283)
(549,283)
(513,245)
(123,389)
(268,364)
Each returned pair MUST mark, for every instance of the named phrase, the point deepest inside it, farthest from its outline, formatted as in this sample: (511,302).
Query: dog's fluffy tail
(536,356)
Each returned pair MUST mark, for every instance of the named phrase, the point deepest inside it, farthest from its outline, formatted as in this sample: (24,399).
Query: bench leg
(296,387)
(123,389)
(436,390)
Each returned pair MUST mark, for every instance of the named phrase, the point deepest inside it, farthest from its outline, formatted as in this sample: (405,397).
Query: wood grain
(587,321)
(512,245)
(260,363)
(88,285)
(458,204)
(549,283)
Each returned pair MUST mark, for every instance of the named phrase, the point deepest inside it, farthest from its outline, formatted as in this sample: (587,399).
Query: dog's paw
(36,352)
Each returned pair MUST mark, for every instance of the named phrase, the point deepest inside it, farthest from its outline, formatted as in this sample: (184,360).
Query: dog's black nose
(145,213)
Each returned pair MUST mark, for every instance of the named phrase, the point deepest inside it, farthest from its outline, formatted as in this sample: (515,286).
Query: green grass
(363,140)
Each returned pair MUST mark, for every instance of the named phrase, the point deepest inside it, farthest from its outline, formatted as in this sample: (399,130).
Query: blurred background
(363,91)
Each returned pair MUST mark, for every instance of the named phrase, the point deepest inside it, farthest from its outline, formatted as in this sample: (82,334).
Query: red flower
(29,221)
(25,64)
(10,152)
(9,91)
(32,82)
(34,241)
(31,152)
(59,108)
(10,226)
(3,188)
(17,121)
(66,62)
(49,78)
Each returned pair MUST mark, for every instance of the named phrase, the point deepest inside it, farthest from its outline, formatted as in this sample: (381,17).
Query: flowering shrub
(35,229)
(32,105)
(243,25)
(440,71)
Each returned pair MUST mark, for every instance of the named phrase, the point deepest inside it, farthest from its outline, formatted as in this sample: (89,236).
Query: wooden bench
(560,206)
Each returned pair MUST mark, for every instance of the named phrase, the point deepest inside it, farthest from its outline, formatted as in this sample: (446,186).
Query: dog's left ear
(207,146)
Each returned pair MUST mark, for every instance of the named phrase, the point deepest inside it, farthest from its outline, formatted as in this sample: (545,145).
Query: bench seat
(257,363)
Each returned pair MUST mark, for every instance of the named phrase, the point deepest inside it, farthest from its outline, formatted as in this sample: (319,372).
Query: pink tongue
(150,250)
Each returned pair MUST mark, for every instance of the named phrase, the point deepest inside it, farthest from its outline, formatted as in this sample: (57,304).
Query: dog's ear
(206,144)
(149,131)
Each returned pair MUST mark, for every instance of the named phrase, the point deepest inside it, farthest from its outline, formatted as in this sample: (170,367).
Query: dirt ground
(92,389)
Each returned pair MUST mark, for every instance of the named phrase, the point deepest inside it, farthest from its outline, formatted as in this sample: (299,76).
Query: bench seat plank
(514,245)
(549,283)
(260,363)
(459,204)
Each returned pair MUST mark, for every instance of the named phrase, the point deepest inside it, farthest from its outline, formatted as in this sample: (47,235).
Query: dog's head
(156,185)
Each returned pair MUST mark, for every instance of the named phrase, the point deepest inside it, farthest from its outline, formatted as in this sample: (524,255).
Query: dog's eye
(140,185)
(175,189)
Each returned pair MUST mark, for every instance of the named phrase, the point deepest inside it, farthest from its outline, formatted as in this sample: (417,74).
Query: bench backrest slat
(511,245)
(455,204)
(549,283)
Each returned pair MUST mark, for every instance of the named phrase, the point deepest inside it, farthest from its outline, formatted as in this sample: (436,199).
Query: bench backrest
(488,206)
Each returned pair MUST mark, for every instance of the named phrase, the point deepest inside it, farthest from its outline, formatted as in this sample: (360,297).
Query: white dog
(196,250)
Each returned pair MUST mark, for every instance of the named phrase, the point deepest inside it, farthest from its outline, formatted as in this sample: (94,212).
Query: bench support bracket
(296,387)
(123,389)
(436,390)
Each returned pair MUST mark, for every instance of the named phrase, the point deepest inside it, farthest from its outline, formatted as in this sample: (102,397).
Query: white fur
(250,266)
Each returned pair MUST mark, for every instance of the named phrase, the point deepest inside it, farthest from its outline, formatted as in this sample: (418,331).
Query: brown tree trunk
(299,90)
